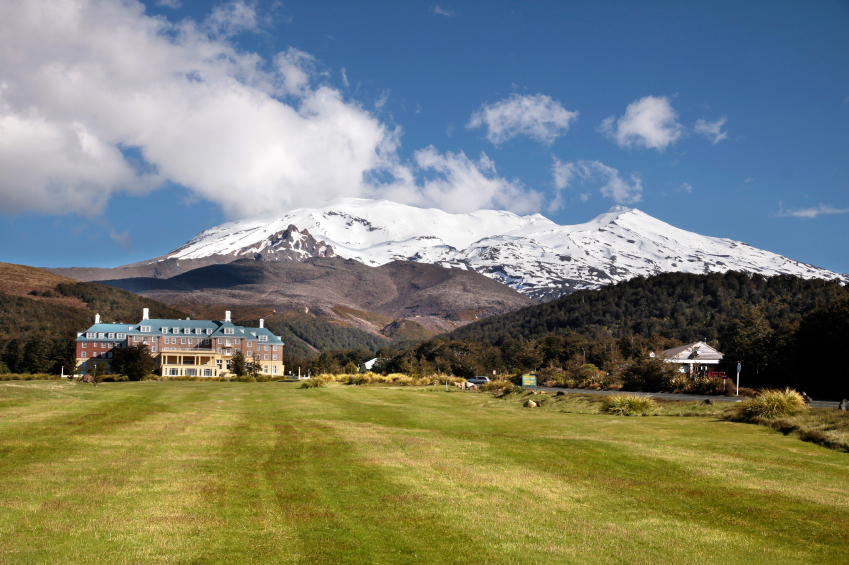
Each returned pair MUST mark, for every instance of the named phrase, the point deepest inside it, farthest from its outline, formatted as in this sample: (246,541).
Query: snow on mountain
(532,254)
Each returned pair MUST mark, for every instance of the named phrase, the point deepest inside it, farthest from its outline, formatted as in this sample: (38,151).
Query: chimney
(145,313)
(261,323)
(227,316)
(97,318)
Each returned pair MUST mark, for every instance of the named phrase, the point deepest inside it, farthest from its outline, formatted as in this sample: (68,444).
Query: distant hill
(40,314)
(682,306)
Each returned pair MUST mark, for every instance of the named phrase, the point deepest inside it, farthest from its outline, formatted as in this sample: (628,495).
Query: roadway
(675,396)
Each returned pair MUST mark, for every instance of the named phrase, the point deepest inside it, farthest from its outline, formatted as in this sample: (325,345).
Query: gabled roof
(697,350)
(156,329)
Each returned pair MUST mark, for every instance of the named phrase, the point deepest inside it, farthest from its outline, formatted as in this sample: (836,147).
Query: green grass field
(193,472)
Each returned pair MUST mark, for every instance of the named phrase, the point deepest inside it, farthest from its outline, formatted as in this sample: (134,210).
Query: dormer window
(144,329)
(111,335)
(187,330)
(90,335)
(101,335)
(197,331)
(228,331)
(121,336)
(208,331)
(263,338)
(175,330)
(164,330)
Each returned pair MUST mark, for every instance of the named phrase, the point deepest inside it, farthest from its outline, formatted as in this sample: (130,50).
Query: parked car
(478,380)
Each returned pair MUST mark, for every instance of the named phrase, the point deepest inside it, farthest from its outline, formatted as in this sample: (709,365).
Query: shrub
(314,382)
(770,403)
(649,375)
(626,404)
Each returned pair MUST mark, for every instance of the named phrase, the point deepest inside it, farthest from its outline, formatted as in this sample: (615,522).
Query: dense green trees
(134,361)
(238,364)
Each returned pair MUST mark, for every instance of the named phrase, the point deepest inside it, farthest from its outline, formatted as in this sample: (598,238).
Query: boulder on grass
(708,401)
(844,405)
(529,404)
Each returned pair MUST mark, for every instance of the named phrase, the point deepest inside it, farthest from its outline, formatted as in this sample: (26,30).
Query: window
(274,369)
(122,336)
(191,372)
(103,345)
(274,357)
(228,364)
(238,341)
(263,338)
(266,357)
(135,339)
(90,335)
(84,353)
(219,351)
(153,349)
(265,368)
(229,351)
(208,331)
(191,341)
(250,353)
(274,348)
(145,329)
(197,331)
(84,344)
(187,330)
(111,335)
(228,342)
(109,354)
(164,330)
(207,372)
(219,341)
(228,331)
(101,335)
(250,344)
(266,348)
(182,341)
(174,372)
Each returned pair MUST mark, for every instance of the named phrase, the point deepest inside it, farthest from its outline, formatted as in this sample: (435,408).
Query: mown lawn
(193,472)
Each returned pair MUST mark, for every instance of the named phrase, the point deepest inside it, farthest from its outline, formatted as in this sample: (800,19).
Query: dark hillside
(673,305)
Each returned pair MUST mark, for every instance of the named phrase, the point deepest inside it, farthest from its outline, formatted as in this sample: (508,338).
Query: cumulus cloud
(813,212)
(712,130)
(685,187)
(594,173)
(649,122)
(536,116)
(456,183)
(97,97)
(173,4)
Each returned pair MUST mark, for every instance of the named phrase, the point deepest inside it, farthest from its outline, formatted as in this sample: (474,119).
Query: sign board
(529,380)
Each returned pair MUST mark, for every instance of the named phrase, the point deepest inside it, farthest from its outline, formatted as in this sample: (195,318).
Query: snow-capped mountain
(532,254)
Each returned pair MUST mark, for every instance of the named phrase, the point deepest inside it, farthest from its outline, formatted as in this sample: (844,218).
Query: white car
(478,380)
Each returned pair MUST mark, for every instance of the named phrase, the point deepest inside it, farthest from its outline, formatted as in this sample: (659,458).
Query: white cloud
(594,173)
(685,187)
(649,122)
(345,78)
(537,116)
(822,209)
(748,180)
(440,11)
(173,4)
(456,183)
(712,130)
(85,82)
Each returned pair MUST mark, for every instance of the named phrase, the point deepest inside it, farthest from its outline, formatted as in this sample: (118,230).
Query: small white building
(693,358)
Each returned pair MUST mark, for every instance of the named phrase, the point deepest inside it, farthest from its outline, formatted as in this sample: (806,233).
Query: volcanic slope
(531,254)
(339,289)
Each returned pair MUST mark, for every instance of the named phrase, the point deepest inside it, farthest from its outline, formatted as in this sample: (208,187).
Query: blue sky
(126,128)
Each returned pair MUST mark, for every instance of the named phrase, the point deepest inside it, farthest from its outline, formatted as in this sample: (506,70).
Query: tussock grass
(627,404)
(771,403)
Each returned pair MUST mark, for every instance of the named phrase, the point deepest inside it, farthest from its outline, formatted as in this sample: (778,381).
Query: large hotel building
(183,348)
